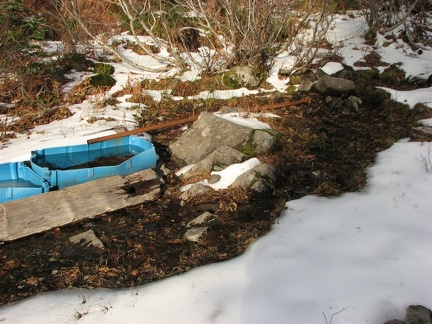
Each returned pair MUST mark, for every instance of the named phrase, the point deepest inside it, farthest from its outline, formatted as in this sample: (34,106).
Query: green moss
(102,80)
(393,74)
(372,95)
(291,89)
(368,74)
(229,79)
(102,68)
(248,149)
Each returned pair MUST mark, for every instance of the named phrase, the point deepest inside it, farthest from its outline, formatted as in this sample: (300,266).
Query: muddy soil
(322,151)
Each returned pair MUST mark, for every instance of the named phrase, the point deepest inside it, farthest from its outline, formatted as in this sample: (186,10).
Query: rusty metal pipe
(185,121)
(143,129)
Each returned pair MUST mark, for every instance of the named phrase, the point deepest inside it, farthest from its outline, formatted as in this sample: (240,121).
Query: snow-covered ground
(361,257)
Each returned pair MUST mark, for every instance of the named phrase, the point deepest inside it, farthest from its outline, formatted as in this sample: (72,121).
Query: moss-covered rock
(301,77)
(291,89)
(102,80)
(241,76)
(230,80)
(102,68)
(393,75)
(372,95)
(368,74)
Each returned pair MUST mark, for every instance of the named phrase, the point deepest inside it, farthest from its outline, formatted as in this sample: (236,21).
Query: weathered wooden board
(23,217)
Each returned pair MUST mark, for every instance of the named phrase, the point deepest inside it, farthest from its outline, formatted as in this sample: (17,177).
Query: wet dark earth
(322,151)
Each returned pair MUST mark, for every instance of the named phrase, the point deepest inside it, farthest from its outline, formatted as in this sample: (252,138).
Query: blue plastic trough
(71,165)
(19,181)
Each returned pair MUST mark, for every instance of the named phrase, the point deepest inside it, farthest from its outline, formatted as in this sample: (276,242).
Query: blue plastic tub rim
(32,183)
(144,158)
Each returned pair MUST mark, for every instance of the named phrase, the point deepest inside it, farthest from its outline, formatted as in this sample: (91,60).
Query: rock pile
(213,143)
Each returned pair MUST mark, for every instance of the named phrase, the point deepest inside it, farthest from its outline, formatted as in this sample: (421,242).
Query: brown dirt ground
(322,151)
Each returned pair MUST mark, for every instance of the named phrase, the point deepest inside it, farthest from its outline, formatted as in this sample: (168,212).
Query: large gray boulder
(210,132)
(334,86)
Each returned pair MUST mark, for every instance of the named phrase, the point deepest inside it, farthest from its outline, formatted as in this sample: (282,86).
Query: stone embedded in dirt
(228,110)
(302,76)
(87,238)
(206,135)
(354,102)
(260,179)
(306,86)
(223,156)
(205,218)
(164,170)
(195,190)
(195,234)
(334,86)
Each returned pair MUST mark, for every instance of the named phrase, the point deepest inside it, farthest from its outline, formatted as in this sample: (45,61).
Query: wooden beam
(23,217)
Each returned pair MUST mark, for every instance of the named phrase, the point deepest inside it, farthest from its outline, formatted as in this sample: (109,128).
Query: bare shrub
(97,22)
(224,32)
(411,18)
(249,32)
(426,159)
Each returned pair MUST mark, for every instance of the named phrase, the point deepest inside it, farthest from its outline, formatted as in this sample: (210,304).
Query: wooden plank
(23,217)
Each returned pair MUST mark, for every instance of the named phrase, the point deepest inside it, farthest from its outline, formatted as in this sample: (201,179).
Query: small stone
(204,218)
(228,110)
(165,171)
(346,111)
(195,234)
(355,102)
(305,86)
(195,190)
(87,238)
(214,178)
